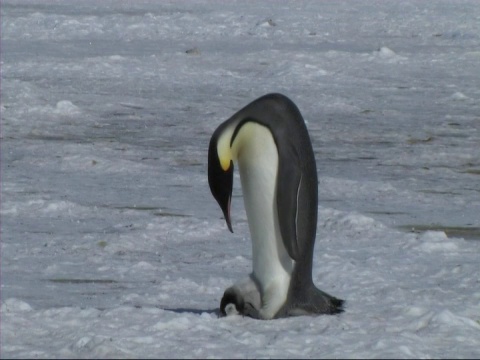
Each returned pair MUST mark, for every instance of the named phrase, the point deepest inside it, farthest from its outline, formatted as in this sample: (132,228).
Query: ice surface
(111,243)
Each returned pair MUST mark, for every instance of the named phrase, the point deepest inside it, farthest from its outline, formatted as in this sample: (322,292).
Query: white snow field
(111,243)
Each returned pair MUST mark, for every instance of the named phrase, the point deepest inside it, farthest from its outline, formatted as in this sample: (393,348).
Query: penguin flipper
(289,180)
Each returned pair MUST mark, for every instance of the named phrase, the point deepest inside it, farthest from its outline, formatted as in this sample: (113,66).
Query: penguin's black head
(220,177)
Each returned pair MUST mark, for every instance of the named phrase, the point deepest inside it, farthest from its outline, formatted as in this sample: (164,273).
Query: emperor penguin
(269,140)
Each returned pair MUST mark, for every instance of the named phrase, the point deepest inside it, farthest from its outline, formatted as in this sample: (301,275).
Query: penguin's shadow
(192,311)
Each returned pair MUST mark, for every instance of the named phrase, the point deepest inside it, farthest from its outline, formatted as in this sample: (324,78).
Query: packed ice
(111,243)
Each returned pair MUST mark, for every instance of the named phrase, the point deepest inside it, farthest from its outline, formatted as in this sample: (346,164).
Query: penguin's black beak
(221,182)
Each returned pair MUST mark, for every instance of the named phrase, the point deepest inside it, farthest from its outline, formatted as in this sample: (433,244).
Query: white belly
(258,163)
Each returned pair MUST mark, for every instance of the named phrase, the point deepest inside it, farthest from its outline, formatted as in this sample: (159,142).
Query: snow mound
(433,241)
(386,54)
(14,305)
(459,96)
(66,108)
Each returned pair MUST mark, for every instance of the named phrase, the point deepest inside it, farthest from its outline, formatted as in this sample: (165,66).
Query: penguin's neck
(257,158)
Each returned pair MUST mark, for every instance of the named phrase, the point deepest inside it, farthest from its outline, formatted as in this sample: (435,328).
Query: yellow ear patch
(245,138)
(223,148)
(225,162)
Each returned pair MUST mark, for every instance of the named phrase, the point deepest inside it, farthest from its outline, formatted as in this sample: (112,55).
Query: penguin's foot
(324,303)
(313,302)
(336,305)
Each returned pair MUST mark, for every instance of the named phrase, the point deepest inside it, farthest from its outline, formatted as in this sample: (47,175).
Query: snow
(111,243)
